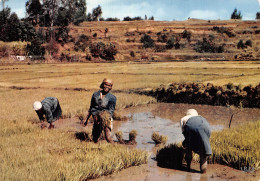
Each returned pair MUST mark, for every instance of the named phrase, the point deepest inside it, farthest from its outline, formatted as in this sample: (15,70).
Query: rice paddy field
(29,153)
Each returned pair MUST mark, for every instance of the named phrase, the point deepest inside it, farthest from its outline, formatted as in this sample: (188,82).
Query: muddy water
(164,118)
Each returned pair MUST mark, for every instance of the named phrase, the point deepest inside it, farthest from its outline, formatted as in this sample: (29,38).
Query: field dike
(198,93)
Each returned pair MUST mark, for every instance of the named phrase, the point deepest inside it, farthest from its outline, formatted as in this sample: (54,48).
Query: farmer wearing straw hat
(196,131)
(102,108)
(49,108)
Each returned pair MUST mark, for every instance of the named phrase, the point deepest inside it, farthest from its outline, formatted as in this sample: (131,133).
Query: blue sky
(164,9)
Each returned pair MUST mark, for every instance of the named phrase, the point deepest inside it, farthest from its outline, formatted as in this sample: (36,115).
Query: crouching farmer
(196,131)
(102,108)
(50,109)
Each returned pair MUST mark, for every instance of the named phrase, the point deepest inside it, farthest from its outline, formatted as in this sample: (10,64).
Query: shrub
(4,50)
(103,51)
(112,19)
(207,45)
(241,44)
(248,43)
(170,43)
(186,34)
(35,48)
(159,48)
(132,54)
(162,38)
(82,43)
(147,41)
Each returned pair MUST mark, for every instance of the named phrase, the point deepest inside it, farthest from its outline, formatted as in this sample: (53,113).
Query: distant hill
(234,39)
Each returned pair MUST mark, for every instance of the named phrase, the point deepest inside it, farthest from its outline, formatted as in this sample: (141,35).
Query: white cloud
(259,2)
(133,10)
(203,14)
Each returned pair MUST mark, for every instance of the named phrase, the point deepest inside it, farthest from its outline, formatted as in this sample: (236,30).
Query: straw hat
(37,105)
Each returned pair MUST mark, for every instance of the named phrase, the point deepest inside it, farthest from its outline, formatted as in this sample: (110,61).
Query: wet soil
(164,118)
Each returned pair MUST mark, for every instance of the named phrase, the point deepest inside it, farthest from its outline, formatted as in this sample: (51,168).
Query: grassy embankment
(32,154)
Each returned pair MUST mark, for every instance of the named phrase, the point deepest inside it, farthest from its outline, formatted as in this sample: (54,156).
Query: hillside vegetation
(156,41)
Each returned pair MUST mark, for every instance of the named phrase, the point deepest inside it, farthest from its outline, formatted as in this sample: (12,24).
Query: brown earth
(164,118)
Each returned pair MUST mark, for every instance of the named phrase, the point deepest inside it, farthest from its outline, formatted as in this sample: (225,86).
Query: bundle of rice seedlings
(132,135)
(119,136)
(159,139)
(170,156)
(118,117)
(106,118)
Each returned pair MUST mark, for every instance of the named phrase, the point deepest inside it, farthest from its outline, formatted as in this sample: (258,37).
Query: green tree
(96,13)
(257,15)
(80,13)
(236,14)
(33,10)
(4,15)
(13,28)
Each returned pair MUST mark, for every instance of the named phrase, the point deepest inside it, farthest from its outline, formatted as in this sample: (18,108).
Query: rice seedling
(50,155)
(159,139)
(237,147)
(132,137)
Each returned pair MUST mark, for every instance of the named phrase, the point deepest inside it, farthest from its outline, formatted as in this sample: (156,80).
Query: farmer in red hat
(102,108)
(196,131)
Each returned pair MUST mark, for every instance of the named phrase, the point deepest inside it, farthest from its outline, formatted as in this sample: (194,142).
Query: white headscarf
(190,113)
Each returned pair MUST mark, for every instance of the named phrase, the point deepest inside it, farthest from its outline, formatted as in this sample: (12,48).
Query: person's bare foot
(51,126)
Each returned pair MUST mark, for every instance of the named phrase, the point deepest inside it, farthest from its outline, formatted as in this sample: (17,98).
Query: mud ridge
(198,93)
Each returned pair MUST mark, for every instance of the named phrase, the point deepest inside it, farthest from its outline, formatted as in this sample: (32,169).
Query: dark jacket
(51,109)
(97,104)
(197,133)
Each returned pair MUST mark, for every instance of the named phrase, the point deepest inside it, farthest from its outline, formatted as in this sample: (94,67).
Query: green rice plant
(159,139)
(237,147)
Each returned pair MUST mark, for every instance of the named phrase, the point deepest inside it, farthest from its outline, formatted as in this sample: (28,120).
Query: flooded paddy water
(164,118)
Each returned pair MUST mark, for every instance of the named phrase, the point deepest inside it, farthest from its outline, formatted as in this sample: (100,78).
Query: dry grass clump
(237,147)
(55,155)
(159,139)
